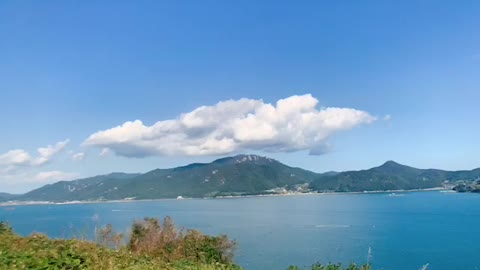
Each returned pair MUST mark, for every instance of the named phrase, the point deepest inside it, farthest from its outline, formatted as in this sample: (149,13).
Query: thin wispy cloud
(20,157)
(78,156)
(104,152)
(17,166)
(46,153)
(291,124)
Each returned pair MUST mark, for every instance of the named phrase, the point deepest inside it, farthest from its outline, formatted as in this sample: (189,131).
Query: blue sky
(69,69)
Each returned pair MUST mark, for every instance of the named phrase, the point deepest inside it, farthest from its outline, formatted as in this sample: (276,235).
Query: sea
(393,231)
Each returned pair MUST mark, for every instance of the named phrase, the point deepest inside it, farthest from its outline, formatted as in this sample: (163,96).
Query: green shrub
(149,237)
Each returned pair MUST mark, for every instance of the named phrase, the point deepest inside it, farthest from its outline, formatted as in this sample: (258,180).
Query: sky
(93,87)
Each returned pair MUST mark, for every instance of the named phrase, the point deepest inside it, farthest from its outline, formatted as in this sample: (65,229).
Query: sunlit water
(402,232)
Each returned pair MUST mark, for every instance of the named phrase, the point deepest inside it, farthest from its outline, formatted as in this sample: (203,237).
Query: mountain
(81,189)
(329,173)
(7,197)
(243,175)
(390,176)
(239,175)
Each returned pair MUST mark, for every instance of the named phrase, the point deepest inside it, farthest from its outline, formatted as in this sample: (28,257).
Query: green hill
(81,189)
(239,175)
(7,197)
(390,176)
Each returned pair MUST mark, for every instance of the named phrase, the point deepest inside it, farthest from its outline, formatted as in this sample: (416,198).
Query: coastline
(22,203)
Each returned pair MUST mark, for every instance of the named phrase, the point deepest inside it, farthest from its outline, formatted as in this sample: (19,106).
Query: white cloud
(15,158)
(105,152)
(16,166)
(20,157)
(52,176)
(292,124)
(78,156)
(387,117)
(46,153)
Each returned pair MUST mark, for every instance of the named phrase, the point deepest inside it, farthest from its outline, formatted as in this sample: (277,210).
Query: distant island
(244,175)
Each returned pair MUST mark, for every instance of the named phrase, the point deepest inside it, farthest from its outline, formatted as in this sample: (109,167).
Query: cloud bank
(292,124)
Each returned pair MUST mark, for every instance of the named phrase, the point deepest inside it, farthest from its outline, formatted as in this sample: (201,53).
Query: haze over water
(404,231)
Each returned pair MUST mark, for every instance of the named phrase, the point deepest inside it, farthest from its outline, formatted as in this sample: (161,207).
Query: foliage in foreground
(147,250)
(319,266)
(152,245)
(165,241)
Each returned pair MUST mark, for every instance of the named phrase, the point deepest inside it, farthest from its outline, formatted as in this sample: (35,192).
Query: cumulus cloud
(15,158)
(292,124)
(78,156)
(20,157)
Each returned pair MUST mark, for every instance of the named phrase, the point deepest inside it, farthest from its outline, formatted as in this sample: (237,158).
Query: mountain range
(241,175)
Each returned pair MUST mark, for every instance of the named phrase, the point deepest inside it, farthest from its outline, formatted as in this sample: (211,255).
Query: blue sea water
(403,232)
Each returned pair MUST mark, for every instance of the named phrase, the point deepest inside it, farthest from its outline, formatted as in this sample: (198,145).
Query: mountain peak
(251,158)
(245,159)
(394,167)
(391,163)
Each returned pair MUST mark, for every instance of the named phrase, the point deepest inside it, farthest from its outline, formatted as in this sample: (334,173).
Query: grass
(151,245)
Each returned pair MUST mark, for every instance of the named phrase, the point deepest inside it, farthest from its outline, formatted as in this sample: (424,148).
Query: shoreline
(22,203)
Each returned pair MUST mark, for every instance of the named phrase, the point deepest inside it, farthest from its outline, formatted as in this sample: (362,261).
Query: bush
(107,237)
(164,240)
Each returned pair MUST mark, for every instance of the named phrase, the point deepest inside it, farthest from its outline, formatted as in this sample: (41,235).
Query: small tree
(149,237)
(107,237)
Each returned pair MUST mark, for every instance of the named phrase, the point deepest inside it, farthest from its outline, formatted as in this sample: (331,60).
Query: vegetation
(166,242)
(152,245)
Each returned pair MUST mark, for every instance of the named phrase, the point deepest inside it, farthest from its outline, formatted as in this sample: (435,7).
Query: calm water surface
(403,232)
